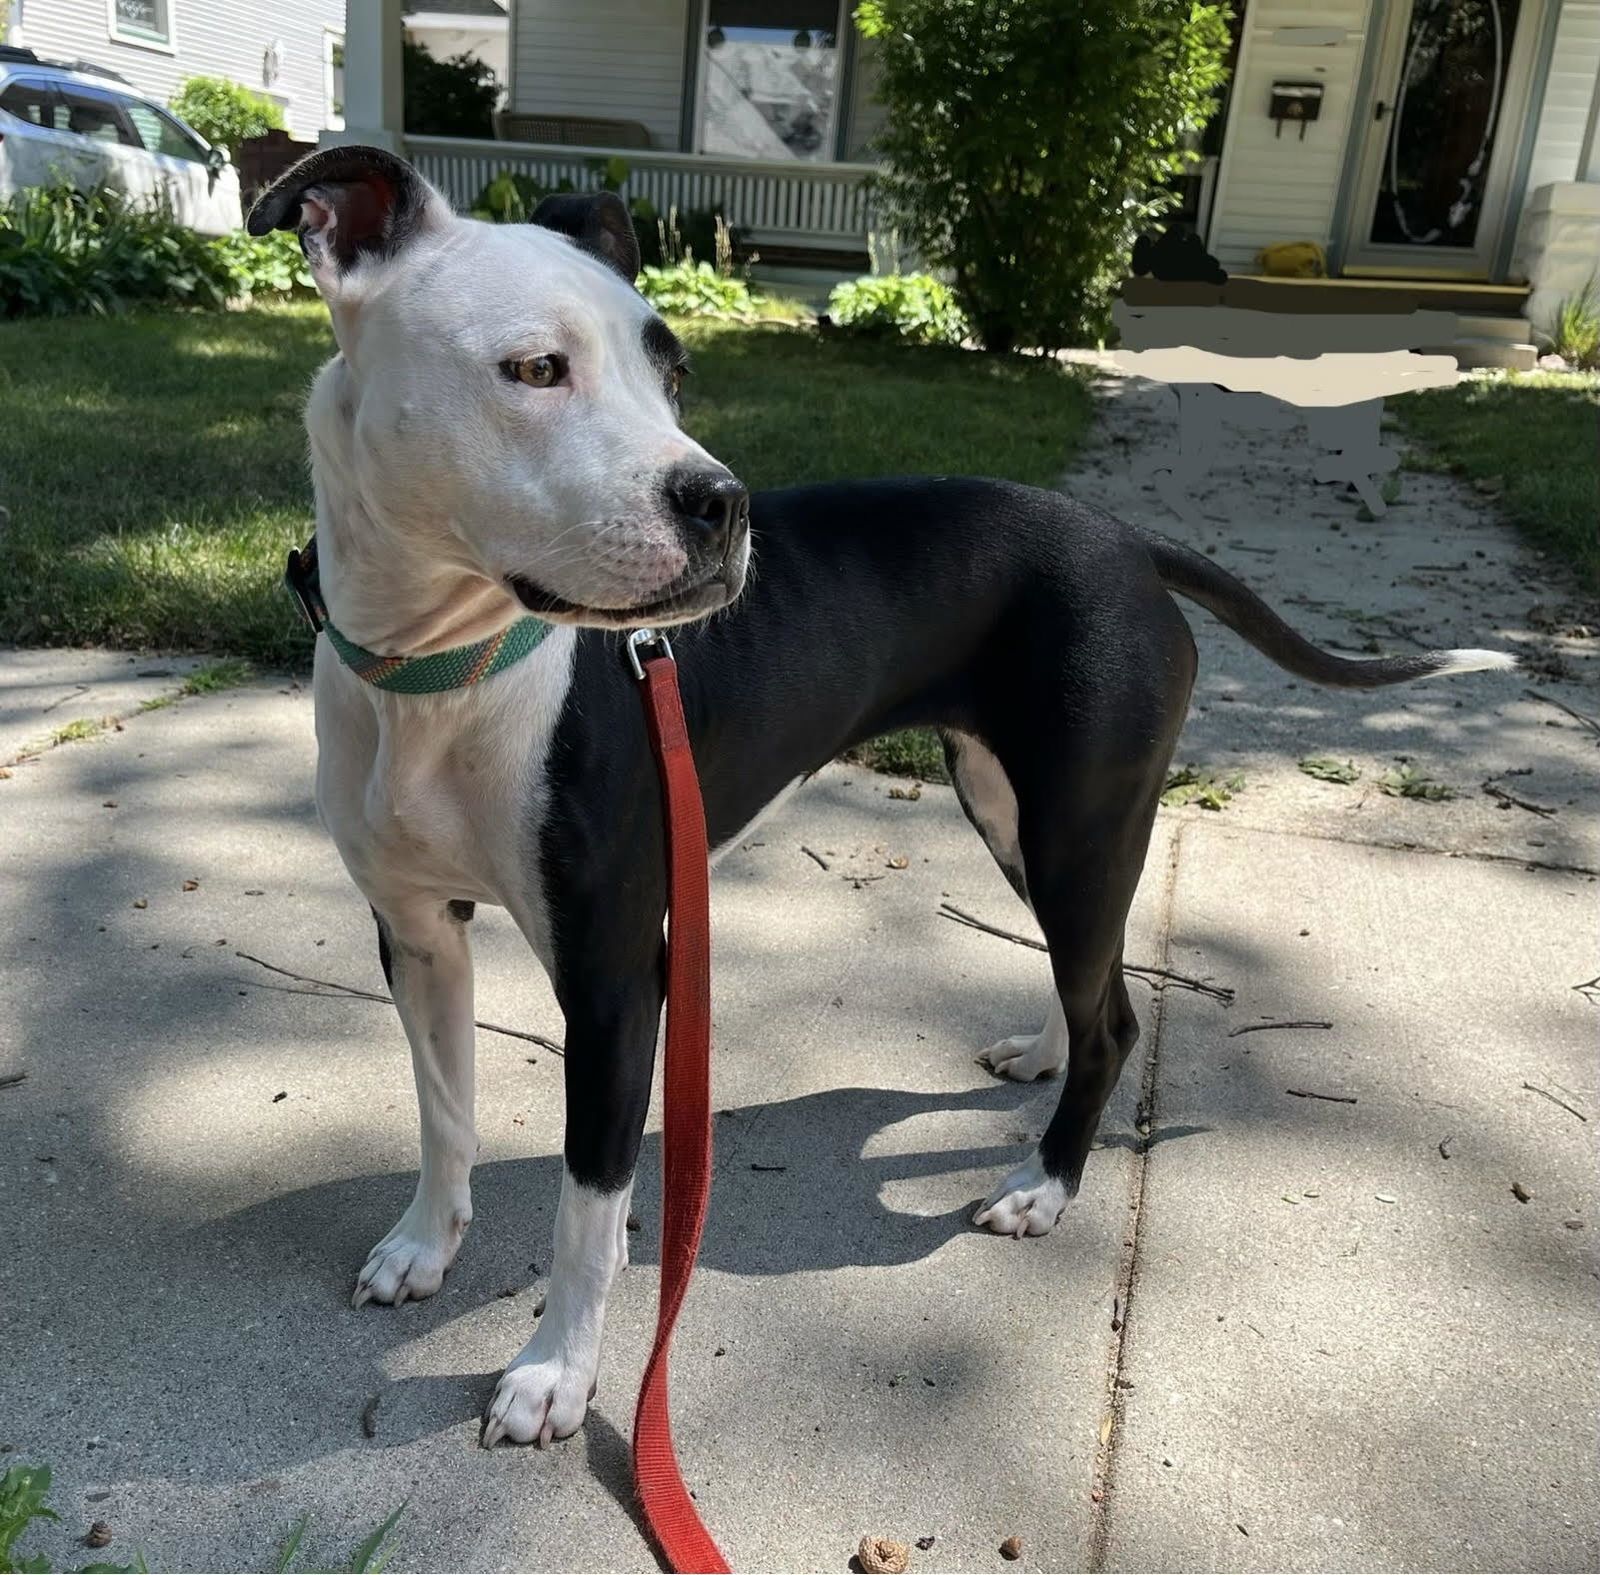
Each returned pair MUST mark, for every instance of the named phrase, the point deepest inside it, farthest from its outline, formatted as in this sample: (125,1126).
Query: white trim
(332,120)
(169,46)
(459,22)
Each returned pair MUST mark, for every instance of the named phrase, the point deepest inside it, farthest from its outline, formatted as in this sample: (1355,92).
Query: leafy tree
(1029,142)
(448,98)
(225,113)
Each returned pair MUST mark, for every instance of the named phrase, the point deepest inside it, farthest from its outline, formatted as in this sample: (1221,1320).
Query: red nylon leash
(669,1512)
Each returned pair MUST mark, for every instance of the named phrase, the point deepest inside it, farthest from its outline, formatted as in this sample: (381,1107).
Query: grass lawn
(154,466)
(1539,432)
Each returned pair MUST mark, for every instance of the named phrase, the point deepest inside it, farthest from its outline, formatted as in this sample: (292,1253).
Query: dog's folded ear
(599,224)
(349,205)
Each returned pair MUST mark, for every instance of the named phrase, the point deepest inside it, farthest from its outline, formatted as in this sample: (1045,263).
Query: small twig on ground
(1533,1088)
(1332,1099)
(811,853)
(82,689)
(1577,716)
(1299,1022)
(386,1000)
(1500,796)
(1154,977)
(1590,990)
(11,1079)
(1240,546)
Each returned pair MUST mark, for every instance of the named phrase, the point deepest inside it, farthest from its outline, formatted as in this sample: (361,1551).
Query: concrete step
(1478,350)
(1475,350)
(1494,326)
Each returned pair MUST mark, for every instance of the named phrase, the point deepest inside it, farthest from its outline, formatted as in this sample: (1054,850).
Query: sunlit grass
(155,475)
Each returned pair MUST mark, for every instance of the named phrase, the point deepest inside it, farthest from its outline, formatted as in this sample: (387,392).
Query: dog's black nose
(710,505)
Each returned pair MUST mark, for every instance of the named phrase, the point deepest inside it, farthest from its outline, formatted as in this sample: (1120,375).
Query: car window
(161,133)
(96,115)
(36,103)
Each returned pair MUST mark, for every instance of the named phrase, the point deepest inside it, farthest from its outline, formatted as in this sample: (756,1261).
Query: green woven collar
(410,675)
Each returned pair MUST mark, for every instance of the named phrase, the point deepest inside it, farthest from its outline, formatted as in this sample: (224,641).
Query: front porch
(760,108)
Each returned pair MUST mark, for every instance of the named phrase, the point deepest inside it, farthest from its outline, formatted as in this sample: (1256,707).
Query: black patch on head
(597,224)
(460,911)
(378,201)
(663,346)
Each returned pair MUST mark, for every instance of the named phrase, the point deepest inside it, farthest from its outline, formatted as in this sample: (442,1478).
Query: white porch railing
(821,205)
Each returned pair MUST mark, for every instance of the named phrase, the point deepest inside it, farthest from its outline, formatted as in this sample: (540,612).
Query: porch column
(373,86)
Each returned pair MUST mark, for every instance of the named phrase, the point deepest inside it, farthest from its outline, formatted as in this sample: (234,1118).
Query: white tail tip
(1475,662)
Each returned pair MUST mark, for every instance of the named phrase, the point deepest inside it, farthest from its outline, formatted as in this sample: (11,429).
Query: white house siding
(225,38)
(1569,99)
(1279,188)
(619,59)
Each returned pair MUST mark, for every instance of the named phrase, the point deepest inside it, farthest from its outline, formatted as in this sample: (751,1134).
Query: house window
(142,22)
(769,73)
(333,80)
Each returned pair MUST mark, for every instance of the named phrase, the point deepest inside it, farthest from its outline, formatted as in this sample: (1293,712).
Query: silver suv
(87,127)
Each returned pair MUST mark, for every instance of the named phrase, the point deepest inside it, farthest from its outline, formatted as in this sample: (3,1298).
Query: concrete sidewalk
(1285,1333)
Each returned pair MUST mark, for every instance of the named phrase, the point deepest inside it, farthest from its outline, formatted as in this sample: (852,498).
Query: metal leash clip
(639,641)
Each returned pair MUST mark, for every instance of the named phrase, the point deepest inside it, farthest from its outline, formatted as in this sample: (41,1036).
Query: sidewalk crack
(1116,1395)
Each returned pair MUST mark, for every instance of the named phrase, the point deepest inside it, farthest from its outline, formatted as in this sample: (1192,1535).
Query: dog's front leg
(610,1057)
(428,963)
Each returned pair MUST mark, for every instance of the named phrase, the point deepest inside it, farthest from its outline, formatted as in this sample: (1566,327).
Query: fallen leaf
(1011,1548)
(1520,1192)
(1383,1197)
(1105,1431)
(191,885)
(1325,768)
(139,902)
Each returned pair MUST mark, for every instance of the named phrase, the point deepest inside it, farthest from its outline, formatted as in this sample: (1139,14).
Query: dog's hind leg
(428,963)
(1083,867)
(985,793)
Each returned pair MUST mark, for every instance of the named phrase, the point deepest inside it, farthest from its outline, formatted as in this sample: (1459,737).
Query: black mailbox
(1296,101)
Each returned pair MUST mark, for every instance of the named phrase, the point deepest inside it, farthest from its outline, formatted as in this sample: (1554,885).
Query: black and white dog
(499,435)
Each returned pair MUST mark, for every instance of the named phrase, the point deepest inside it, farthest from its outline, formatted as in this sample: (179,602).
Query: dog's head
(512,397)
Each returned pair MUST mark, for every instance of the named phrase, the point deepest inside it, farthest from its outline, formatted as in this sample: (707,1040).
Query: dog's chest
(438,797)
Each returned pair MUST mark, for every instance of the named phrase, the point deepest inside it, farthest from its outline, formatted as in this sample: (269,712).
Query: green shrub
(66,252)
(448,98)
(691,289)
(225,113)
(915,307)
(1575,329)
(1027,143)
(270,265)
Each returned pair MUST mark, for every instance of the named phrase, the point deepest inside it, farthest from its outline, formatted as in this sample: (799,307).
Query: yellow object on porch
(1293,260)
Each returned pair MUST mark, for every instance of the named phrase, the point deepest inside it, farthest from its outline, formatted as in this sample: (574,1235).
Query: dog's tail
(1196,577)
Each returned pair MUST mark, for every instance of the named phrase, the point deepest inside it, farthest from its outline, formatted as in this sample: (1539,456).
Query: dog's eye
(537,371)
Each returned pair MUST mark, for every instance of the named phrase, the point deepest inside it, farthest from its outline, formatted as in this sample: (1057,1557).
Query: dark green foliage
(448,98)
(1028,143)
(225,113)
(65,252)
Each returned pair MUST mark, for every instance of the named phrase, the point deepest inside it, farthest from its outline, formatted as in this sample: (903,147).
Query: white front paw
(410,1262)
(539,1398)
(1025,1057)
(1027,1203)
